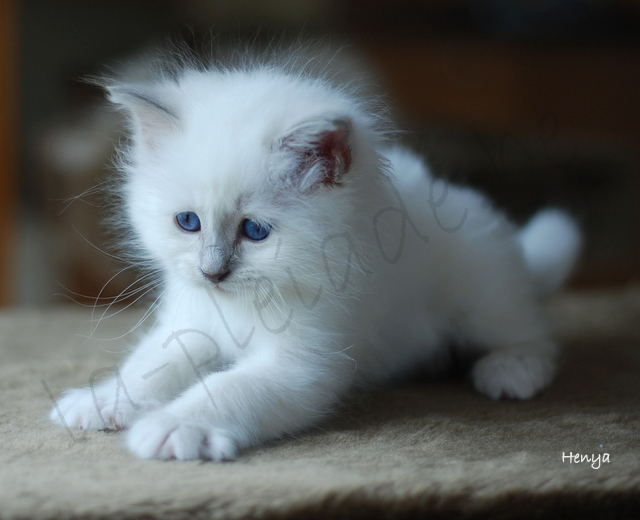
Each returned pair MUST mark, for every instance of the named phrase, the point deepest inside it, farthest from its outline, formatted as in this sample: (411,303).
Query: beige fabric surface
(422,448)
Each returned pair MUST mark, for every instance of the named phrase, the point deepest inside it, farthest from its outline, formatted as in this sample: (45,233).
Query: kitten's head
(234,178)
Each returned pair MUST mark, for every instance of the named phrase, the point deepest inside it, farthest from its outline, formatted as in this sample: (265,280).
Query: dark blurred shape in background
(533,101)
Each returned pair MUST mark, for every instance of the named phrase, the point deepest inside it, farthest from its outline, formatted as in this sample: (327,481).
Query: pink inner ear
(324,154)
(333,149)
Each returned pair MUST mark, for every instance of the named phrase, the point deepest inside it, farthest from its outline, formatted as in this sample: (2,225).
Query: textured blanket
(425,448)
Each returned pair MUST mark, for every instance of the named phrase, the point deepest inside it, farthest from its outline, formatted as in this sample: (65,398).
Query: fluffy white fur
(372,268)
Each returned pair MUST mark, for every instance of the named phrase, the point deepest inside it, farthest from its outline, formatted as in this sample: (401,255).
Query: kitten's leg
(258,399)
(159,368)
(521,357)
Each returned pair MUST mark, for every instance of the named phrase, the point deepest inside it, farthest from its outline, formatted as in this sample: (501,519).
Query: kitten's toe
(162,435)
(84,409)
(219,445)
(148,437)
(513,373)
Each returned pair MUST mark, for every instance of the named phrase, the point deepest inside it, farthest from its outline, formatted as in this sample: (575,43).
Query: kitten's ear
(317,152)
(152,119)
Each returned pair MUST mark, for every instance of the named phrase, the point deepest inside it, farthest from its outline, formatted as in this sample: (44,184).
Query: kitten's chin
(204,284)
(226,288)
(217,288)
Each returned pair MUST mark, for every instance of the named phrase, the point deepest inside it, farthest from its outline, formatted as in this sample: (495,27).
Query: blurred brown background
(534,101)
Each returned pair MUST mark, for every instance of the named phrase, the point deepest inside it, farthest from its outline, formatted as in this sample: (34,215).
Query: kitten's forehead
(222,190)
(213,162)
(257,105)
(229,126)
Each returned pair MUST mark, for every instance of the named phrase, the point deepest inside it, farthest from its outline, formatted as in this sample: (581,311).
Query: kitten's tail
(551,242)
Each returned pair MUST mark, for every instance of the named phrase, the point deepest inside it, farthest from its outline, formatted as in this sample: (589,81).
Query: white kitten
(302,255)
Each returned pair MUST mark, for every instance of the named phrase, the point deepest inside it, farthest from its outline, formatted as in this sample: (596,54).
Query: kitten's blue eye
(188,221)
(255,230)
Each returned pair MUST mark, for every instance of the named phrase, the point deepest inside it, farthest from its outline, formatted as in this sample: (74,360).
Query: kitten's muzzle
(215,261)
(216,277)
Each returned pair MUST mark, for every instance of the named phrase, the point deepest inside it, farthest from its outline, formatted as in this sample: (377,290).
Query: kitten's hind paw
(514,373)
(97,409)
(162,435)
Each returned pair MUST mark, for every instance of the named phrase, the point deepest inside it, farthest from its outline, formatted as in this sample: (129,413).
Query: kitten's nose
(216,277)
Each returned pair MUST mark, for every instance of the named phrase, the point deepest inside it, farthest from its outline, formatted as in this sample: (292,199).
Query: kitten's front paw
(101,409)
(513,373)
(162,435)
